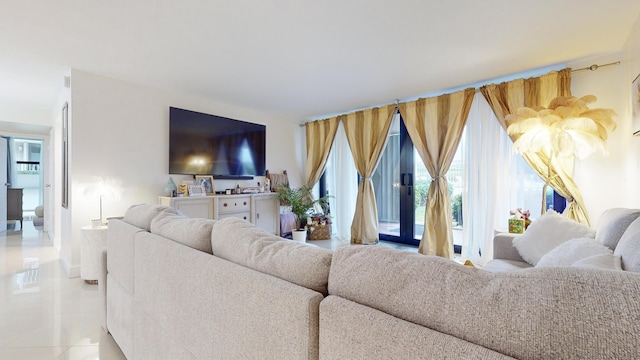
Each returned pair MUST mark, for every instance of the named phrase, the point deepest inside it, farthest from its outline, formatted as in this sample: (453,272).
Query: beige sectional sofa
(180,288)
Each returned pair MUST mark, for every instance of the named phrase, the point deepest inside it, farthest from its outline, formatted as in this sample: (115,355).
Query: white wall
(120,131)
(611,180)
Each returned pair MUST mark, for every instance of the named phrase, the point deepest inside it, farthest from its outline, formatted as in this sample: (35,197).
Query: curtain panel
(367,132)
(320,136)
(507,97)
(435,126)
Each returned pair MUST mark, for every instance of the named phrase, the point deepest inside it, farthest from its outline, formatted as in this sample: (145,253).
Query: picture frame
(635,105)
(207,182)
(197,190)
(65,156)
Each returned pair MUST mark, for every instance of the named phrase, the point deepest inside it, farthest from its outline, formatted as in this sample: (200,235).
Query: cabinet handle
(244,217)
(245,203)
(257,216)
(225,205)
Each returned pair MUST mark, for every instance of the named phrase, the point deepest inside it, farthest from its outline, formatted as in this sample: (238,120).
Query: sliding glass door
(401,183)
(393,184)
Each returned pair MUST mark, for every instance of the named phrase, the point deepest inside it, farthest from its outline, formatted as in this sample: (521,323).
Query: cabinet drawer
(242,215)
(234,205)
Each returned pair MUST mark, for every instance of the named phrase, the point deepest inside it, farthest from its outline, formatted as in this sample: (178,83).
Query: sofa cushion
(613,223)
(537,313)
(192,232)
(629,247)
(547,232)
(242,243)
(141,215)
(570,251)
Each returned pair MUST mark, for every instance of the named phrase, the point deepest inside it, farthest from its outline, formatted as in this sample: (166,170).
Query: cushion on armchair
(613,223)
(629,247)
(572,251)
(547,232)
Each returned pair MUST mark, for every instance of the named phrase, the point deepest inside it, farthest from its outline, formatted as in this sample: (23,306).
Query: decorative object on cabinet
(197,190)
(171,189)
(183,189)
(207,182)
(276,180)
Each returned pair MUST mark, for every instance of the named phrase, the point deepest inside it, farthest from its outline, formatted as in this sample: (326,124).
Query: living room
(119,128)
(128,124)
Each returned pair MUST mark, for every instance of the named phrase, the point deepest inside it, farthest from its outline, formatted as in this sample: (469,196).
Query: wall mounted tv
(202,144)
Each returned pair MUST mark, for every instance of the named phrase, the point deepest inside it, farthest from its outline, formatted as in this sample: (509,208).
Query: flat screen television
(203,144)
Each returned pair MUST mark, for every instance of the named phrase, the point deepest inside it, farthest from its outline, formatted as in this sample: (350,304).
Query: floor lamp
(567,128)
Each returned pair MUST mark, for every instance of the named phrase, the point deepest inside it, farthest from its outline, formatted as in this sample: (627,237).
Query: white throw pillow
(547,232)
(571,251)
(602,261)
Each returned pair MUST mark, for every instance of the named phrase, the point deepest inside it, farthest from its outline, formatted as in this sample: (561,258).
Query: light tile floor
(43,314)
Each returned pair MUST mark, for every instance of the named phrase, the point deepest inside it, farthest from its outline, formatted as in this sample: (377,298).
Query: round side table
(93,240)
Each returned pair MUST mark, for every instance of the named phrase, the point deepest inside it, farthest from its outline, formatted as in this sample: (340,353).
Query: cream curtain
(367,132)
(320,136)
(507,97)
(435,126)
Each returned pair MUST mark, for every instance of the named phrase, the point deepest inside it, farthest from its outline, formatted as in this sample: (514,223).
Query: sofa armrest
(503,247)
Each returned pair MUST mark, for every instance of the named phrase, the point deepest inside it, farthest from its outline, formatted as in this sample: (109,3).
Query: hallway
(43,314)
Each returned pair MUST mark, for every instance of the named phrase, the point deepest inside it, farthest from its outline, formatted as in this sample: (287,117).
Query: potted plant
(301,202)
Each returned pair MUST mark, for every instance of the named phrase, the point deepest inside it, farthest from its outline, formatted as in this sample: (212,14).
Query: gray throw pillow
(613,223)
(629,247)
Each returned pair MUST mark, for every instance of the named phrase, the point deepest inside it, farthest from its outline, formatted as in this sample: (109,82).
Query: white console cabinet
(263,210)
(195,207)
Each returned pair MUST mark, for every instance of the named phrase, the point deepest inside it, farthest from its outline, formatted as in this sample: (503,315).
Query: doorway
(25,171)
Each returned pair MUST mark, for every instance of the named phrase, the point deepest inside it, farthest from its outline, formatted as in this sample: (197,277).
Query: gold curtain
(435,126)
(507,97)
(320,136)
(367,132)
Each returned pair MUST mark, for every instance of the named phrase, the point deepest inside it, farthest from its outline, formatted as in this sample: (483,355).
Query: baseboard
(73,271)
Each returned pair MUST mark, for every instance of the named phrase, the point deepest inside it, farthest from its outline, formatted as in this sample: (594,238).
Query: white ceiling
(299,59)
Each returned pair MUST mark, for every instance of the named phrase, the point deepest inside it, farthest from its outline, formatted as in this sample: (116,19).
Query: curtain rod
(595,67)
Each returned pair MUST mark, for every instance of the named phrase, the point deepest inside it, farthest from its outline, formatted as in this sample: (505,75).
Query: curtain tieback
(438,178)
(570,199)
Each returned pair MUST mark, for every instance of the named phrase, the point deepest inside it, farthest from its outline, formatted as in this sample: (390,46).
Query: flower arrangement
(519,214)
(318,219)
(319,226)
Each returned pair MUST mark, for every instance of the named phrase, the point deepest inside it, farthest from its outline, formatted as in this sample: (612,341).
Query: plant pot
(299,235)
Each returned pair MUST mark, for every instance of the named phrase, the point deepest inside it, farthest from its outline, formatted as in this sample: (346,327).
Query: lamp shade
(567,127)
